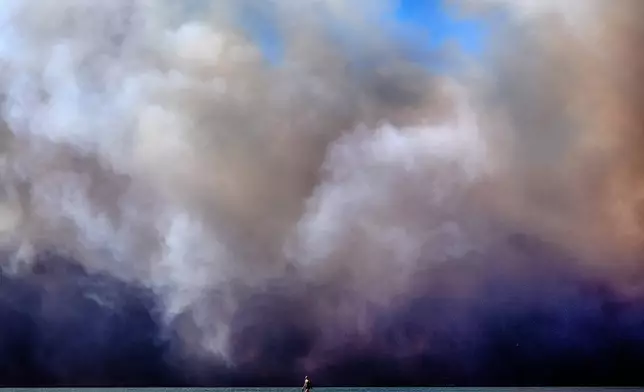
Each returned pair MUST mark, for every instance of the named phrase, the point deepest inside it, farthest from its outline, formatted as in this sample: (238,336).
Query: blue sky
(428,17)
(439,25)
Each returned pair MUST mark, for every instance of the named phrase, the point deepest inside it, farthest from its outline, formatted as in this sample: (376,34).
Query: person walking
(307,385)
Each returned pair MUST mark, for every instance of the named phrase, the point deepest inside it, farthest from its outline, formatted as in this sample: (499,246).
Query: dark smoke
(177,210)
(63,326)
(516,317)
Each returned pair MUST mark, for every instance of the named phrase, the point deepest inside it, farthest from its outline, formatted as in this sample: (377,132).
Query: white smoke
(159,146)
(153,141)
(390,196)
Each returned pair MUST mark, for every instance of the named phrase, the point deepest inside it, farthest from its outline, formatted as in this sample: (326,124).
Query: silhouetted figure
(307,384)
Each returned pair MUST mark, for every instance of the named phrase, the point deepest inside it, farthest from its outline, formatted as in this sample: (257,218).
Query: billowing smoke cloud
(344,212)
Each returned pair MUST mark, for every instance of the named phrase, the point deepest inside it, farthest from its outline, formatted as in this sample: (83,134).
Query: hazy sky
(437,23)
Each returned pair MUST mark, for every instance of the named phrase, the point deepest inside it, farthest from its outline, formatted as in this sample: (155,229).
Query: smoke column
(179,209)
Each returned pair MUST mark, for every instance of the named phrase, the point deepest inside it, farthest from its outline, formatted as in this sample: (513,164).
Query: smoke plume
(176,201)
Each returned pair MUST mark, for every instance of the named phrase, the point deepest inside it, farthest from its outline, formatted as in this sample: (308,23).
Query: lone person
(307,385)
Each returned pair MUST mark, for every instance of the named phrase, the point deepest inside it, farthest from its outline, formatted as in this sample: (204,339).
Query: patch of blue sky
(258,22)
(439,25)
(425,27)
